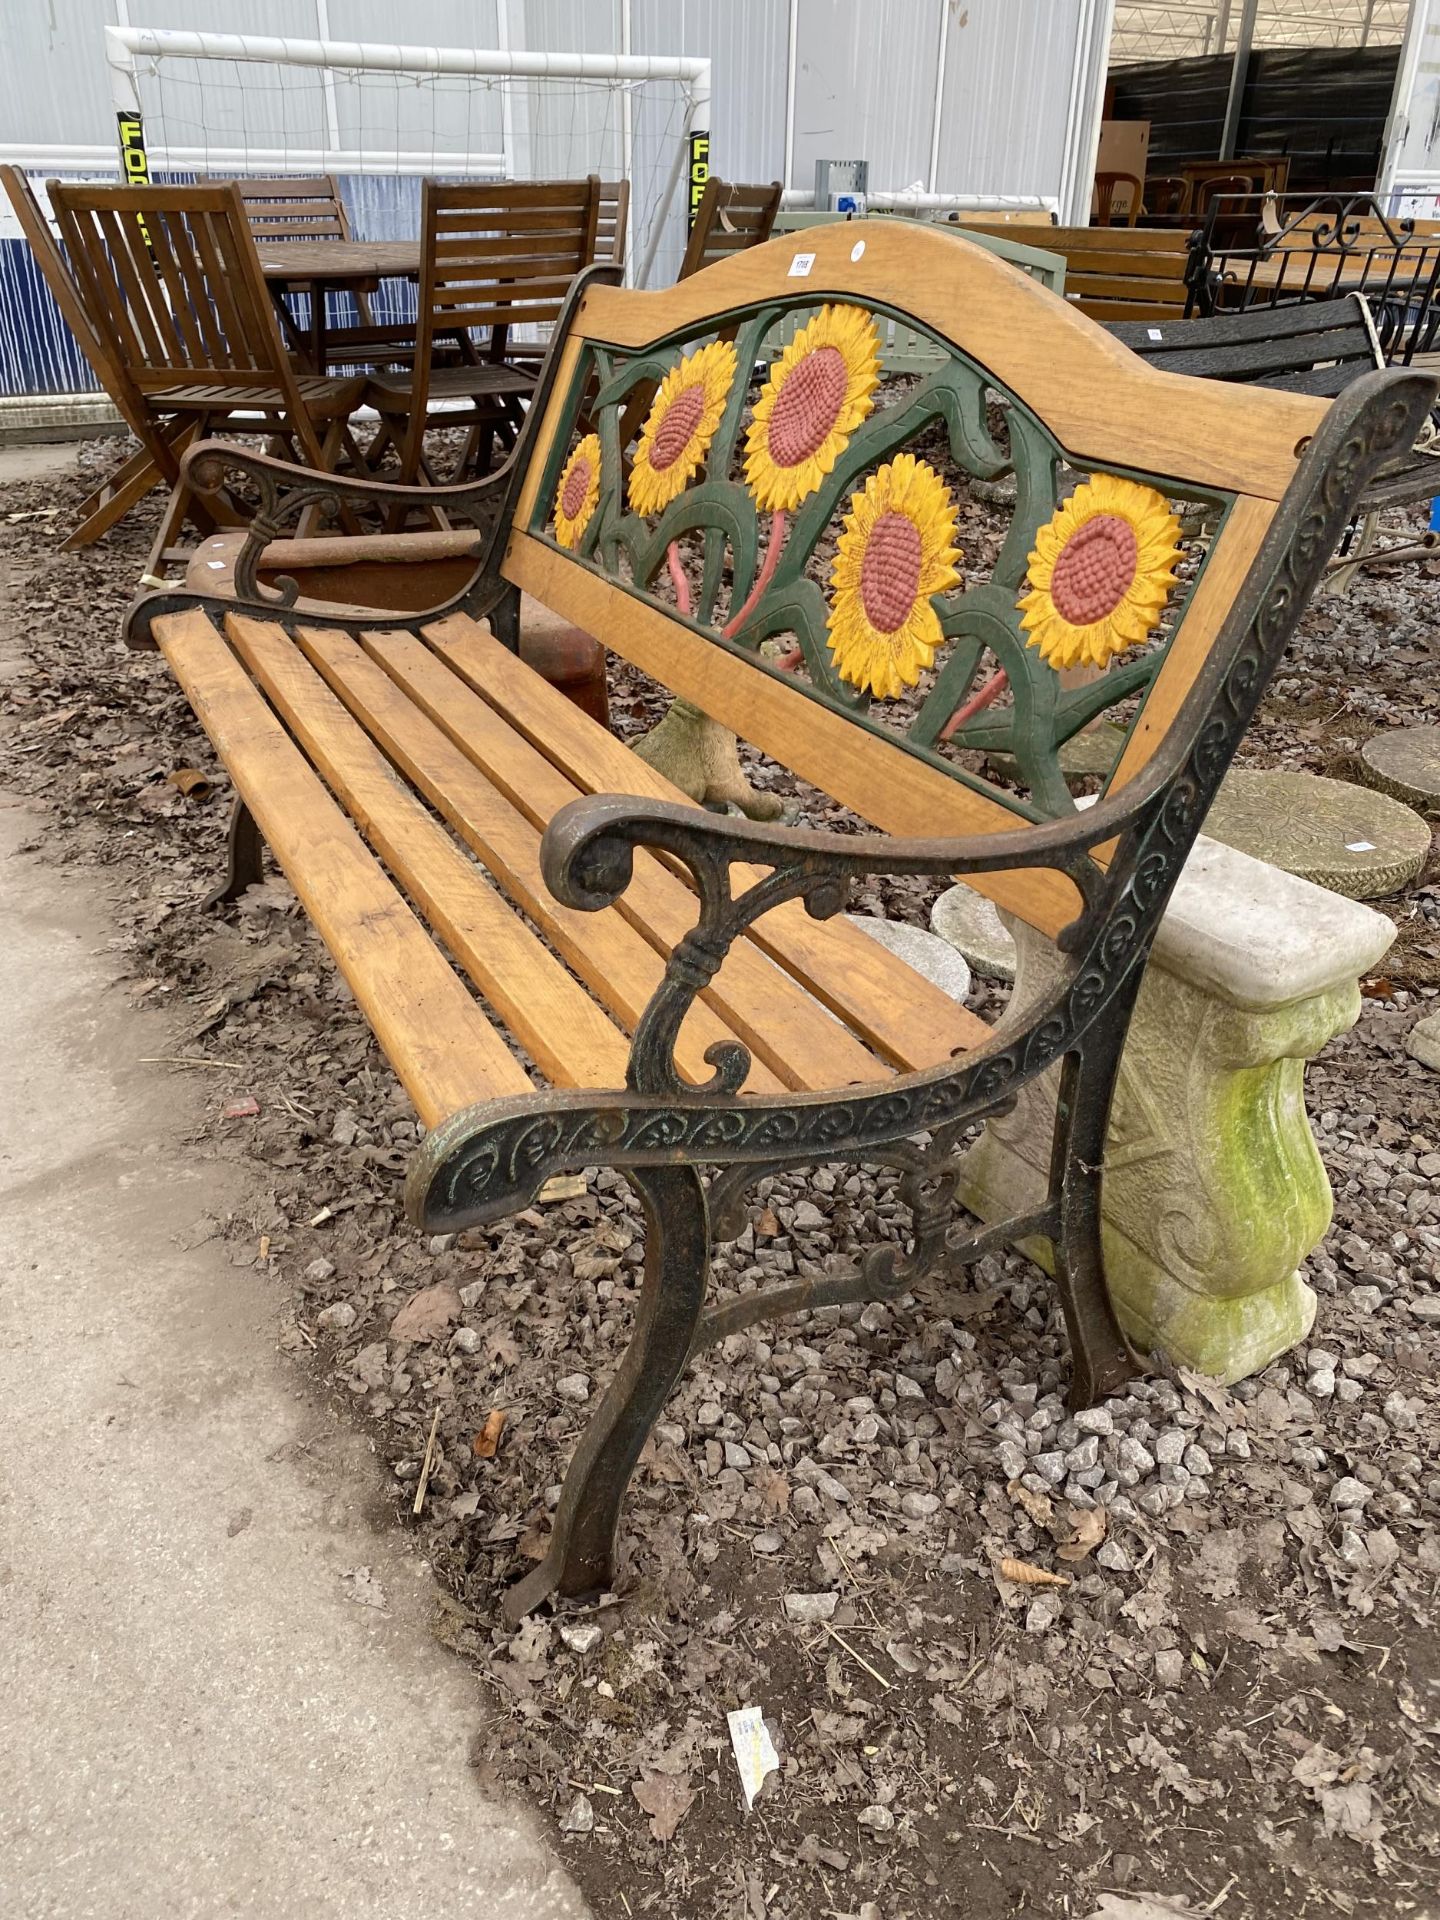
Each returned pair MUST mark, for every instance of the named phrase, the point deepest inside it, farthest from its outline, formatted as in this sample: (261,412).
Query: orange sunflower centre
(672,436)
(807,406)
(577,485)
(1095,570)
(890,571)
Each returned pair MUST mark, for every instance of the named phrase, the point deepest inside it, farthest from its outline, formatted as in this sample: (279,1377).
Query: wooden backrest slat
(1124,286)
(546,288)
(201,342)
(257,340)
(212,266)
(152,332)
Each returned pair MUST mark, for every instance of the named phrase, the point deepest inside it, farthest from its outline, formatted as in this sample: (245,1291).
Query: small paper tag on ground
(565,1186)
(755,1753)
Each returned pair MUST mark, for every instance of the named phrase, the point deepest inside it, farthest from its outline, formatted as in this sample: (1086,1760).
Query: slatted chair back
(730,219)
(173,280)
(612,226)
(500,254)
(1221,186)
(1259,173)
(68,297)
(173,283)
(295,209)
(1124,187)
(1167,195)
(1123,273)
(738,520)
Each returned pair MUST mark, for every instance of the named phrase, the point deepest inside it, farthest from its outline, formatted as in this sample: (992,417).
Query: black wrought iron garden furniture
(682,997)
(1308,346)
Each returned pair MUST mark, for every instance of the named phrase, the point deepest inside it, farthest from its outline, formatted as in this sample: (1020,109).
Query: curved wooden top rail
(1104,406)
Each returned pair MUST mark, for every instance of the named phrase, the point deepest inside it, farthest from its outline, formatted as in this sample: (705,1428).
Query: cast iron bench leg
(677,1263)
(245,858)
(1101,1360)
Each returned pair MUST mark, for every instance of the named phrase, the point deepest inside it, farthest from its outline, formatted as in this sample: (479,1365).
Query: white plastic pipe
(257,160)
(122,45)
(801,197)
(938,117)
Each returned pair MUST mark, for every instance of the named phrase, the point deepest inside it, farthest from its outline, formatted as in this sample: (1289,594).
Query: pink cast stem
(991,690)
(680,578)
(763,579)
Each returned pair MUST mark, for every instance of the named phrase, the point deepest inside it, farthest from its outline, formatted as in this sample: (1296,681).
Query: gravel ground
(1239,1588)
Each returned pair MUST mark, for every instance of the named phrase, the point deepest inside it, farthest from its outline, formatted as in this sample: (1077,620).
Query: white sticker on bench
(1154,333)
(800,266)
(1359,846)
(857,249)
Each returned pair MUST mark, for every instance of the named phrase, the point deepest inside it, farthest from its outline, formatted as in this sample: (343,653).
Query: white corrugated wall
(865,82)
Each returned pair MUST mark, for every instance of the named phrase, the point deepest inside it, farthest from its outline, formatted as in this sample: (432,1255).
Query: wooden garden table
(318,267)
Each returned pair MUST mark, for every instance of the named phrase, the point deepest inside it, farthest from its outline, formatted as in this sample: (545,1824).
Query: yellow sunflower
(578,494)
(819,391)
(897,548)
(1101,572)
(681,425)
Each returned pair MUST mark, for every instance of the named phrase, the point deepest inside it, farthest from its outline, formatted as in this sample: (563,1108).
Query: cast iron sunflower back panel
(807,517)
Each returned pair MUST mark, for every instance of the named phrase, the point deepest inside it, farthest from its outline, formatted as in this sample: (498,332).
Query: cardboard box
(1124,148)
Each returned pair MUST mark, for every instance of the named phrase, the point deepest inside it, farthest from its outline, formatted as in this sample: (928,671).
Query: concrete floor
(195,1719)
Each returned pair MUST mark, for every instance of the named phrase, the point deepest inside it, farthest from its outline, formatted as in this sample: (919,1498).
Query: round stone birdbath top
(1351,839)
(1406,764)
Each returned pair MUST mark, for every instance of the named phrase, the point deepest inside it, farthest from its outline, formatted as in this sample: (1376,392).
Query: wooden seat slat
(903,1016)
(443,1049)
(802,1043)
(570,1039)
(618,965)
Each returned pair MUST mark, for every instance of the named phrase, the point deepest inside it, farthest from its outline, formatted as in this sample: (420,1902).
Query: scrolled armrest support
(286,490)
(588,858)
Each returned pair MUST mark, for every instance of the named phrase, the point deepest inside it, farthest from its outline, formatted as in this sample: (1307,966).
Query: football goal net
(382,118)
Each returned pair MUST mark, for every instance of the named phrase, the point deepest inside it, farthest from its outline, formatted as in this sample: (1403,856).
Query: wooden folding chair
(729,219)
(495,255)
(161,441)
(173,286)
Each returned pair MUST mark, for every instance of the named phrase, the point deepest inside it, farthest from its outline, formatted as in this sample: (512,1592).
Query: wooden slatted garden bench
(569,967)
(1119,273)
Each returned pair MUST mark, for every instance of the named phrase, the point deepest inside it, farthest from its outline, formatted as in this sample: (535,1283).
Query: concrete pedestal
(1214,1190)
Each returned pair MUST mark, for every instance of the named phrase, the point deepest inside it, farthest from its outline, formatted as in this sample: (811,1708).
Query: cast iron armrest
(587,853)
(489,1160)
(286,490)
(587,857)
